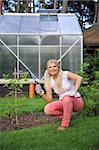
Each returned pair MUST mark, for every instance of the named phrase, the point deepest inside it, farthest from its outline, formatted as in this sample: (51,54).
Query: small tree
(15,86)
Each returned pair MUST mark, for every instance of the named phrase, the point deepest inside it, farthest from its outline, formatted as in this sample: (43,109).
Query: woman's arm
(77,80)
(47,97)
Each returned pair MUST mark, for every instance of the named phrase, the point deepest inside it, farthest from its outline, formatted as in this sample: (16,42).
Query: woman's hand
(39,89)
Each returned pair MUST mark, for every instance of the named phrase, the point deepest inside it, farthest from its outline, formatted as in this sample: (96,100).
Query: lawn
(83,133)
(24,105)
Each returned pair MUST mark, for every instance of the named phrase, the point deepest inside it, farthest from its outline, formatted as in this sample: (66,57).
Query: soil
(27,121)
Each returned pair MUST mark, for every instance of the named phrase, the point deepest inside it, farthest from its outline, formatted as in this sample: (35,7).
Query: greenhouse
(36,38)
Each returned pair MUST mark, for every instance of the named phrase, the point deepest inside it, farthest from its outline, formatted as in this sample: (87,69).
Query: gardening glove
(39,89)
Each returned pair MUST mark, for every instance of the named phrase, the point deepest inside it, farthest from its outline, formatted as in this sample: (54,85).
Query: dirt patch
(26,121)
(29,121)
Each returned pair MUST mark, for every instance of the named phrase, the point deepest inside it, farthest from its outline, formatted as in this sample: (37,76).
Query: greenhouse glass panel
(48,23)
(29,56)
(29,40)
(7,61)
(72,60)
(10,24)
(29,24)
(69,24)
(36,38)
(50,40)
(47,53)
(71,53)
(9,39)
(69,40)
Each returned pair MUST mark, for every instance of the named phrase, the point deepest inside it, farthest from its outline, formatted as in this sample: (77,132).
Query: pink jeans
(63,108)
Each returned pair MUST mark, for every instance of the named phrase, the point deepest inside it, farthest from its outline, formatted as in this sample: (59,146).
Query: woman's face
(53,69)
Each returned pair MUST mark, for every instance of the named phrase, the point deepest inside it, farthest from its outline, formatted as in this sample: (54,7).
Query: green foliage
(90,85)
(5,76)
(83,72)
(97,76)
(90,94)
(24,76)
(14,84)
(92,69)
(24,106)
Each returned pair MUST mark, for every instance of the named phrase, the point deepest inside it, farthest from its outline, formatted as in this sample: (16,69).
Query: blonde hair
(47,75)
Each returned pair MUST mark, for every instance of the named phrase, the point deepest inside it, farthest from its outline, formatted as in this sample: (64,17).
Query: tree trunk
(55,4)
(18,6)
(0,7)
(65,4)
(98,14)
(96,17)
(16,99)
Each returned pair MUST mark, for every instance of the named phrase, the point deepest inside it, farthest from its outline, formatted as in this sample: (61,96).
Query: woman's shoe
(62,128)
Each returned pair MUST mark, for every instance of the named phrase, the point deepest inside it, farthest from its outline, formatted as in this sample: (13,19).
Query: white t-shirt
(67,86)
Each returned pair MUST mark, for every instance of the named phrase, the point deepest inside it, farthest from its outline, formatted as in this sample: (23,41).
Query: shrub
(90,87)
(90,94)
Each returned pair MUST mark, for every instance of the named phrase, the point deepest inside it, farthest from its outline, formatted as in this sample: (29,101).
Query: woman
(66,85)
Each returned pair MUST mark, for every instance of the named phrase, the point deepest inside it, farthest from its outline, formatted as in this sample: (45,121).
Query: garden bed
(28,121)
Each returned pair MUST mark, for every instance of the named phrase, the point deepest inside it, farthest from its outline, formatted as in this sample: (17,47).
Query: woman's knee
(79,106)
(50,108)
(47,110)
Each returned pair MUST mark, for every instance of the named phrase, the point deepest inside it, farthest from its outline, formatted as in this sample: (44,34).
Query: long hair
(47,75)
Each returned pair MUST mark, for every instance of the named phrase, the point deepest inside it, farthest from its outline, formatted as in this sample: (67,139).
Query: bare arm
(48,96)
(77,80)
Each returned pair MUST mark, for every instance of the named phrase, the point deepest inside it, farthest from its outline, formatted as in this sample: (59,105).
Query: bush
(90,86)
(90,94)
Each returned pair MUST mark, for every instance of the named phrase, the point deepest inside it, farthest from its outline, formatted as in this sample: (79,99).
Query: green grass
(83,133)
(25,105)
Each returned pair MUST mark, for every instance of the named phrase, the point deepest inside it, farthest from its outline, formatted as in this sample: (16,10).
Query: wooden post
(31,90)
(14,75)
(0,7)
(16,96)
(55,4)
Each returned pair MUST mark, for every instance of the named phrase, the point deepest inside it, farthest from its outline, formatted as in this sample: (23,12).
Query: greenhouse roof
(38,24)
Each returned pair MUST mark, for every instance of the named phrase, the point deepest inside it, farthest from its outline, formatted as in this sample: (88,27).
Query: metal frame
(39,54)
(19,60)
